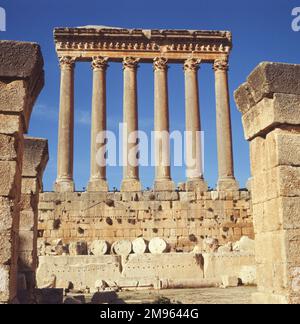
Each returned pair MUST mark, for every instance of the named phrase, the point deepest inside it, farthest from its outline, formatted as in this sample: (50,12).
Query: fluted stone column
(98,181)
(194,171)
(64,181)
(163,181)
(226,179)
(131,182)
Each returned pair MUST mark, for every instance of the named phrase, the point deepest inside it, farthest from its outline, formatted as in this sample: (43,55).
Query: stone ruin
(163,238)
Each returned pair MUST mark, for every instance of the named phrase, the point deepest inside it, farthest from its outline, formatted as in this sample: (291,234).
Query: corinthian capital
(99,63)
(66,62)
(130,63)
(160,64)
(192,64)
(221,64)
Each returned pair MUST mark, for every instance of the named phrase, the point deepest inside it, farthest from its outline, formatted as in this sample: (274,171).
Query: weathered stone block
(8,147)
(10,124)
(5,247)
(268,113)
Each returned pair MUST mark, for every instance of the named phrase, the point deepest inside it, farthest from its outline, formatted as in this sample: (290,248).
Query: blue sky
(261,32)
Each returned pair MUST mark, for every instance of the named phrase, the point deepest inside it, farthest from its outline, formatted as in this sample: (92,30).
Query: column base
(196,185)
(229,184)
(64,186)
(164,185)
(97,185)
(131,185)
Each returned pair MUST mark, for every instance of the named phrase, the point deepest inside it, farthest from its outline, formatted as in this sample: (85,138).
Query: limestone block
(282,148)
(8,147)
(268,113)
(10,124)
(230,264)
(6,212)
(99,247)
(139,246)
(5,247)
(36,156)
(248,275)
(158,245)
(77,248)
(245,244)
(266,79)
(4,283)
(82,271)
(163,266)
(122,247)
(27,240)
(229,281)
(8,172)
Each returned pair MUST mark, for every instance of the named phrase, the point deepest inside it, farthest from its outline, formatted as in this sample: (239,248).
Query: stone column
(269,102)
(64,181)
(131,182)
(35,159)
(226,179)
(195,180)
(21,80)
(98,181)
(163,181)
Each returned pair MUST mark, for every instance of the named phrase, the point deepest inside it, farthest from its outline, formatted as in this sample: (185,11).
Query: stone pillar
(35,159)
(269,102)
(163,181)
(226,179)
(98,181)
(21,80)
(195,179)
(64,181)
(131,180)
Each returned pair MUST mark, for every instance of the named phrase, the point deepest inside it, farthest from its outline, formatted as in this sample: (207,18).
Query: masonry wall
(21,80)
(182,219)
(270,104)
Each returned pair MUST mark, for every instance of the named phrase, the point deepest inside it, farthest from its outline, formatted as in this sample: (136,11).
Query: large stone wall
(270,104)
(35,159)
(21,80)
(183,219)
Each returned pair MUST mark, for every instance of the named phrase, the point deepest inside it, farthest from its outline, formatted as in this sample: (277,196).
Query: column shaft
(64,182)
(98,181)
(163,180)
(226,179)
(130,181)
(195,180)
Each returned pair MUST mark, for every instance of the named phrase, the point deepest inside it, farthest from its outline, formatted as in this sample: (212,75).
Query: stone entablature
(83,43)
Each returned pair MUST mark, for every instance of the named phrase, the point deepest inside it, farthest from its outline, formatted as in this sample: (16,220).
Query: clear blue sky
(261,32)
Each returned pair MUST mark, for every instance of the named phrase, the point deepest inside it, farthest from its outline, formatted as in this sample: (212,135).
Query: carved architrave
(66,62)
(131,63)
(160,64)
(192,64)
(221,64)
(100,63)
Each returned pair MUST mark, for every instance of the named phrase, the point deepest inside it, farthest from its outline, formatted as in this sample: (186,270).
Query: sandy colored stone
(245,244)
(157,245)
(229,281)
(99,247)
(122,247)
(139,246)
(77,248)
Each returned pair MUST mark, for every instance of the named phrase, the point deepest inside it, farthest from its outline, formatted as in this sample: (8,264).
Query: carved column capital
(66,62)
(100,63)
(160,64)
(192,64)
(130,62)
(221,64)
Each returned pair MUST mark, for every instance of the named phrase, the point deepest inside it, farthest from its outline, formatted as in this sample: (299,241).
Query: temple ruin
(170,236)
